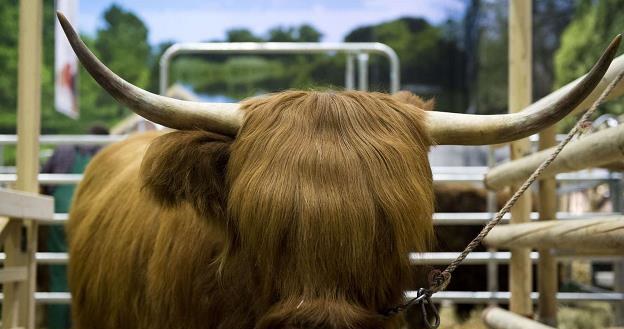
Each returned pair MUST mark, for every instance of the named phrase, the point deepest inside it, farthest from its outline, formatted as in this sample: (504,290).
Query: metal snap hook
(424,302)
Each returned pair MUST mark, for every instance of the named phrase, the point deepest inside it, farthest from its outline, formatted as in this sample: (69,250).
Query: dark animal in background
(291,210)
(456,198)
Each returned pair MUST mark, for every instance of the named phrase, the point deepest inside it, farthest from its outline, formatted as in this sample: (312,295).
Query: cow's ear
(188,166)
(409,98)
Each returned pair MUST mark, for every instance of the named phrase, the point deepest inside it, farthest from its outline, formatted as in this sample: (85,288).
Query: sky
(195,20)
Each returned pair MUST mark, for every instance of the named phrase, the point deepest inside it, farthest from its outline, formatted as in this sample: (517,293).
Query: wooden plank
(599,148)
(19,204)
(497,318)
(13,274)
(520,92)
(547,274)
(583,234)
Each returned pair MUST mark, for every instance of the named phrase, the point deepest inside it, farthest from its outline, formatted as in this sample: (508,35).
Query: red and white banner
(65,63)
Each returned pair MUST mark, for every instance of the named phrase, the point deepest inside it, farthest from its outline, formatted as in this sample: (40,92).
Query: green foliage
(241,35)
(431,59)
(594,24)
(8,65)
(121,44)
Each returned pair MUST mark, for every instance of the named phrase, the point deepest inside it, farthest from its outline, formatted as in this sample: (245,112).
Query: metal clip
(424,299)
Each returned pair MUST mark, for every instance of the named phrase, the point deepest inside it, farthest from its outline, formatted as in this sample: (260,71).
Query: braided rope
(440,279)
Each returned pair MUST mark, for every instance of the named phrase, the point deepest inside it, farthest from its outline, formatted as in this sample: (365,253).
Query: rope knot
(438,280)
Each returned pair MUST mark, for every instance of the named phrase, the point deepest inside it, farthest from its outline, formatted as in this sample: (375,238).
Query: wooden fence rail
(583,234)
(497,318)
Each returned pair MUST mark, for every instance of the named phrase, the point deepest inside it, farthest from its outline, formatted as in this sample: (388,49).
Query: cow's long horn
(469,129)
(218,117)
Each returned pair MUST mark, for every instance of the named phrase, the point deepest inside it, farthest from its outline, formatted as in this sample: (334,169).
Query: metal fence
(473,175)
(353,50)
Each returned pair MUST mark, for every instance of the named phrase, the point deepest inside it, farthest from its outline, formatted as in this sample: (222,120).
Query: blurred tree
(487,38)
(241,35)
(9,26)
(593,26)
(122,44)
(431,58)
(550,18)
(307,33)
(282,34)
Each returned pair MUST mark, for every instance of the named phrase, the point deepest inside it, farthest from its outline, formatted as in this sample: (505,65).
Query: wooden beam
(19,309)
(593,150)
(582,234)
(13,274)
(497,318)
(26,205)
(520,92)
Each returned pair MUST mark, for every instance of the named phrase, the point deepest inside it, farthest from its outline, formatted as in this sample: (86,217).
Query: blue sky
(195,20)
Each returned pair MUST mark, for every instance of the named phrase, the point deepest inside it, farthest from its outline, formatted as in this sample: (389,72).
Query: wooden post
(520,91)
(21,295)
(547,265)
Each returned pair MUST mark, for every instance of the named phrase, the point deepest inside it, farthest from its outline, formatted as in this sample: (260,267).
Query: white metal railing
(476,297)
(352,49)
(67,139)
(441,174)
(597,175)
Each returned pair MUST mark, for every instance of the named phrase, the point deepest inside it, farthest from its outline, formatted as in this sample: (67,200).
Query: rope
(440,279)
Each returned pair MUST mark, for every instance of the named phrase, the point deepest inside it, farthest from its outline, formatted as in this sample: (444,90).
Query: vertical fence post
(492,208)
(617,200)
(20,295)
(350,72)
(363,71)
(547,264)
(520,91)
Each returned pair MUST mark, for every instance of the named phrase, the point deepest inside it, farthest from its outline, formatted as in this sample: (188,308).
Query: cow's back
(132,263)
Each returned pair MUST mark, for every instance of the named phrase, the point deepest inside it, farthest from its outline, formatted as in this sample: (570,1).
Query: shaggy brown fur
(303,221)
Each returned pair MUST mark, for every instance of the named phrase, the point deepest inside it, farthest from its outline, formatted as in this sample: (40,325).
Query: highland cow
(292,210)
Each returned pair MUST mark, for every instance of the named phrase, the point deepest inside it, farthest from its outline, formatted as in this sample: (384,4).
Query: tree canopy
(462,63)
(595,23)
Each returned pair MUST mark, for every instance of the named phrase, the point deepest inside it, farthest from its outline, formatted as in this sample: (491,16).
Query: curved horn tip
(60,16)
(615,44)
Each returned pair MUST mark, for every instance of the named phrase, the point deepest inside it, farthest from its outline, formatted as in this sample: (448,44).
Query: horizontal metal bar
(68,139)
(500,257)
(580,176)
(476,297)
(425,258)
(46,179)
(482,297)
(279,48)
(46,258)
(439,218)
(474,258)
(444,176)
(480,218)
(276,47)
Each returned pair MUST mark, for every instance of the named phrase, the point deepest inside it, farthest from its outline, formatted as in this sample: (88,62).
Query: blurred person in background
(66,159)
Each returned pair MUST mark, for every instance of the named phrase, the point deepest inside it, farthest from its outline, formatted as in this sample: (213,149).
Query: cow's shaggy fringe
(303,221)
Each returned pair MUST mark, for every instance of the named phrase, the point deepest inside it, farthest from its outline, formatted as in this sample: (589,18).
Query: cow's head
(321,195)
